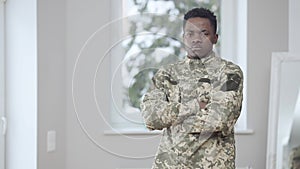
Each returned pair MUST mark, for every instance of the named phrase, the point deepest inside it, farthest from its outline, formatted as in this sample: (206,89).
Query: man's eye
(205,33)
(189,34)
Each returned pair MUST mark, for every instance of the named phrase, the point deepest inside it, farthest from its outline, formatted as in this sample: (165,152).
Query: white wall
(51,45)
(21,84)
(294,26)
(267,33)
(35,72)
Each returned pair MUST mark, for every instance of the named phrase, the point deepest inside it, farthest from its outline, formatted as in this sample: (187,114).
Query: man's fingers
(202,104)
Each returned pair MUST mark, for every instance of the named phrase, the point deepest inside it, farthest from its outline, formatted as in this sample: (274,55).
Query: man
(196,102)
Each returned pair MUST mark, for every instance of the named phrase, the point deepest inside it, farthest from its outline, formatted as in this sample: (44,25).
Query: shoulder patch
(232,83)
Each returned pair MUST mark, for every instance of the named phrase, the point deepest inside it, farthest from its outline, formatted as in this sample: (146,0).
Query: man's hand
(202,94)
(202,104)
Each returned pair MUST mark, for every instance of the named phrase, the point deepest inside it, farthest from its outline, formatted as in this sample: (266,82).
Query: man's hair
(202,13)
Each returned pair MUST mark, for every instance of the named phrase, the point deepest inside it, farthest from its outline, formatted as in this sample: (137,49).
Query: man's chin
(192,56)
(196,56)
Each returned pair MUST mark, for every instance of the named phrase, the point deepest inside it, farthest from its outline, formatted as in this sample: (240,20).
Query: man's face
(199,37)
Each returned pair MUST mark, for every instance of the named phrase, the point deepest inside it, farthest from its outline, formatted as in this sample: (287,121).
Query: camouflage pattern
(194,137)
(295,158)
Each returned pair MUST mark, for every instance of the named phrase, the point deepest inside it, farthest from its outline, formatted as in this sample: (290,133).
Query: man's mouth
(196,48)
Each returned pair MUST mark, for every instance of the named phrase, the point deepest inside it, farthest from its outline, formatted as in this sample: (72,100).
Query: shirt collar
(209,59)
(200,62)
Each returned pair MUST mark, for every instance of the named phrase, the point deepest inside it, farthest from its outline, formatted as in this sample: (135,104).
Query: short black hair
(202,13)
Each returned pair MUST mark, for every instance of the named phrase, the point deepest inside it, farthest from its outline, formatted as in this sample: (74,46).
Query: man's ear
(215,39)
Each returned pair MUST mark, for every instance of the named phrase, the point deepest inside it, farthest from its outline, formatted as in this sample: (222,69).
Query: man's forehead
(198,20)
(197,24)
(196,27)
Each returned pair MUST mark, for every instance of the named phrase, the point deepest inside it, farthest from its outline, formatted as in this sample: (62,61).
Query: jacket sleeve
(224,105)
(160,104)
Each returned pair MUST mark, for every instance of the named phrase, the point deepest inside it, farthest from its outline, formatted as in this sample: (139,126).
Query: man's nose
(198,38)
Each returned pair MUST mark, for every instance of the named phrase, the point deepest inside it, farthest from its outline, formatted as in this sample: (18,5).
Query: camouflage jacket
(294,161)
(194,137)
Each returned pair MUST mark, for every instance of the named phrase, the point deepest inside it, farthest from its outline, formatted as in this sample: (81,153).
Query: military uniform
(194,137)
(294,162)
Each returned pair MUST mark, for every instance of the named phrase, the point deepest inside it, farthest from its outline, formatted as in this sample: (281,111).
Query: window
(2,93)
(234,31)
(153,31)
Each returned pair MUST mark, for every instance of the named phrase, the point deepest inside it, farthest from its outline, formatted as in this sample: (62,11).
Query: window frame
(2,85)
